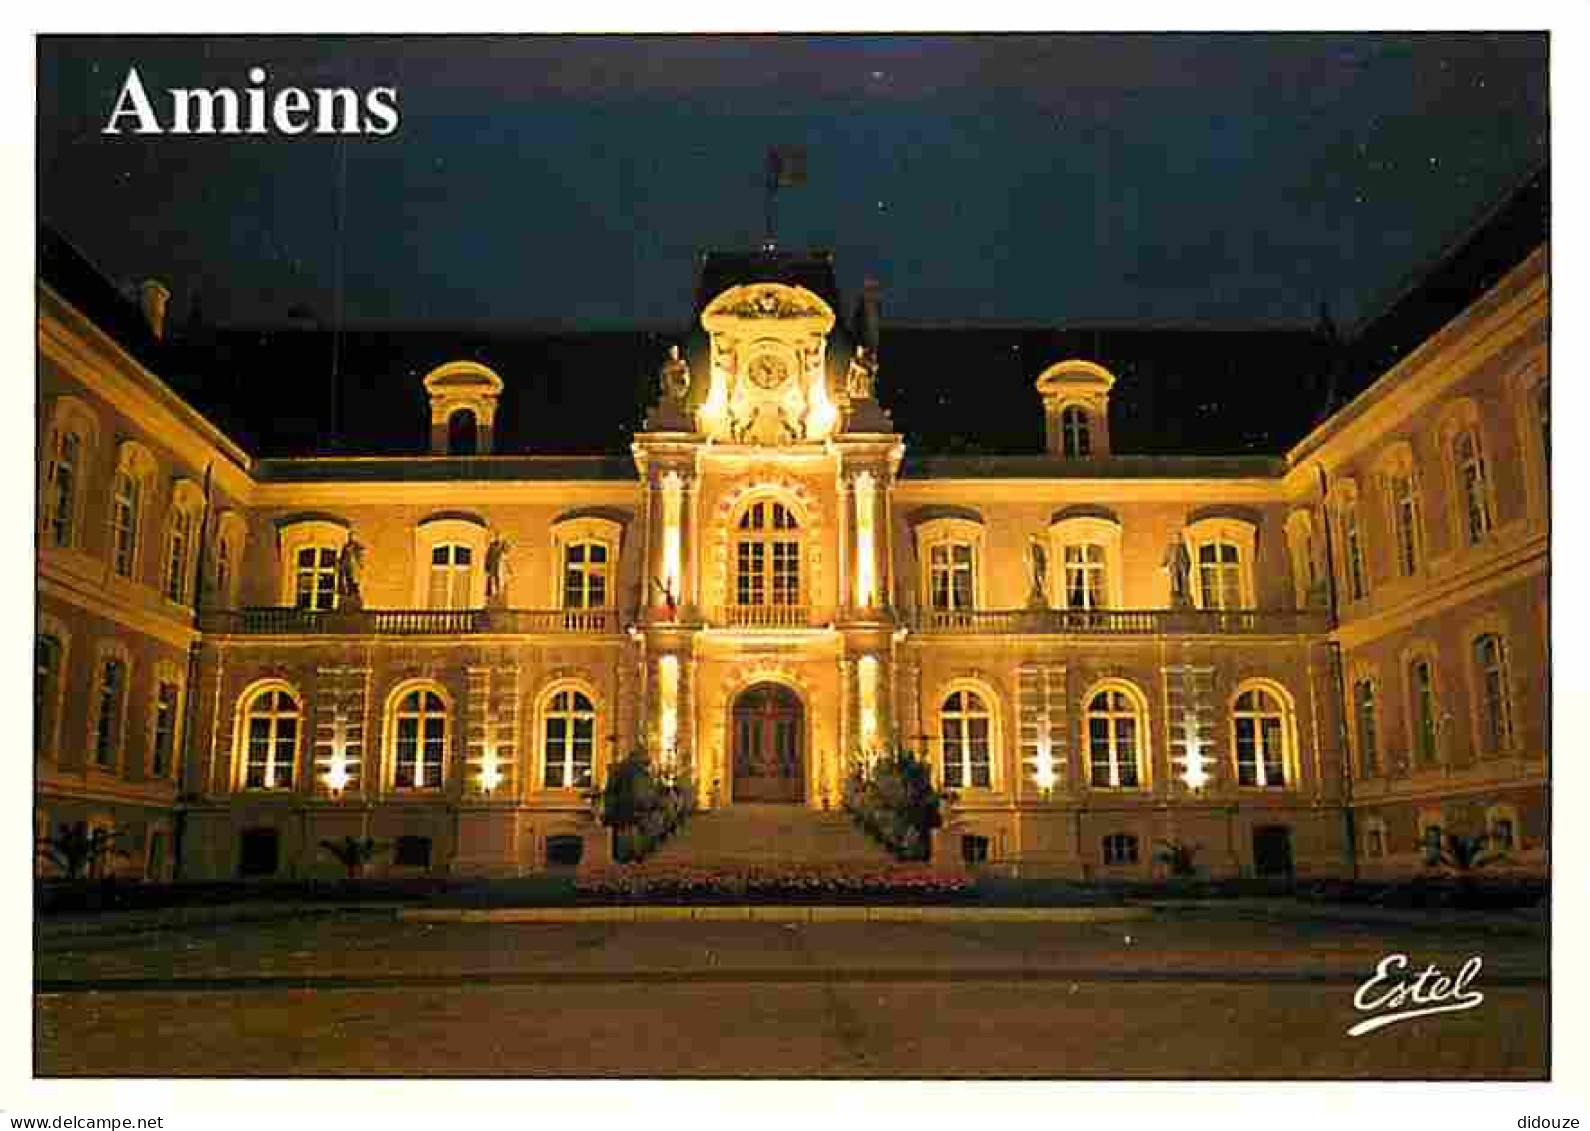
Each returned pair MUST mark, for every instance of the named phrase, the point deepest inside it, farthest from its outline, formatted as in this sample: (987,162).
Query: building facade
(1303,664)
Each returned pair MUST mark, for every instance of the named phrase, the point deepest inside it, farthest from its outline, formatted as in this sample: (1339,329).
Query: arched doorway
(769,729)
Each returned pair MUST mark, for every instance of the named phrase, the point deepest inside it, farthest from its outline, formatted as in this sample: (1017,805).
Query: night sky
(1218,180)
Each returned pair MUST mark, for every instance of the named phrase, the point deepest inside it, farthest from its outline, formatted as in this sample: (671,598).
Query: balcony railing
(407,622)
(764,616)
(1124,622)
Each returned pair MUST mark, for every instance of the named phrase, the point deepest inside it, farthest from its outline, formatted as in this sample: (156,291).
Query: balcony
(276,621)
(1123,622)
(763,616)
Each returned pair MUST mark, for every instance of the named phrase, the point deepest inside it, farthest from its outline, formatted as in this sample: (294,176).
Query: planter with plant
(642,805)
(893,799)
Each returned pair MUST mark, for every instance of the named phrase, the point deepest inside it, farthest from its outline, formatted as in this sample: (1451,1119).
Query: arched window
(1495,695)
(1087,548)
(568,739)
(418,726)
(451,577)
(126,509)
(1076,439)
(1119,849)
(182,531)
(1116,727)
(272,721)
(966,734)
(585,575)
(49,661)
(1404,500)
(1220,575)
(950,552)
(767,556)
(165,721)
(1262,737)
(1473,482)
(463,433)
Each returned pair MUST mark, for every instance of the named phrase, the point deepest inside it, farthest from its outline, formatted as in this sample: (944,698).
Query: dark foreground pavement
(1189,994)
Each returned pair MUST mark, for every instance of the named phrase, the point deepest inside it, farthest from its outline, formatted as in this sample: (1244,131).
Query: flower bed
(784,884)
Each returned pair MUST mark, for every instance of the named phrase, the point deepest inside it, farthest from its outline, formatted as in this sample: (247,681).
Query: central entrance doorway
(768,726)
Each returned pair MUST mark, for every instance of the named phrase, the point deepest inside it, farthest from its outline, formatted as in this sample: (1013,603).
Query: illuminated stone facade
(1098,652)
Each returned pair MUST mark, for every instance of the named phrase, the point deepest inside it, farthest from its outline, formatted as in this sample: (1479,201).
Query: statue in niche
(497,571)
(1037,573)
(859,381)
(350,569)
(1177,564)
(675,375)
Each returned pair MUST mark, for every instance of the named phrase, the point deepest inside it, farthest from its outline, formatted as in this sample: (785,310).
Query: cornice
(1064,491)
(69,589)
(450,493)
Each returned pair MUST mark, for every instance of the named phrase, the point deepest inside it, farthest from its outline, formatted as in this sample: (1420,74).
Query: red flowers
(784,883)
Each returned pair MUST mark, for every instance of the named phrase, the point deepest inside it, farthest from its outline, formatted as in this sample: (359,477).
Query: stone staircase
(769,834)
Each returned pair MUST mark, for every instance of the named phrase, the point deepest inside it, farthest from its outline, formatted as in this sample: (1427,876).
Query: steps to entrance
(770,834)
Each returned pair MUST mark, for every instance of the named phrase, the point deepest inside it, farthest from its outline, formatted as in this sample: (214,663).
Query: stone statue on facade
(859,380)
(1037,574)
(497,571)
(1177,564)
(350,570)
(675,376)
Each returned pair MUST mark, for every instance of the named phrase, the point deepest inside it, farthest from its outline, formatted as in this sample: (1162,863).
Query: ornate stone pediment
(764,301)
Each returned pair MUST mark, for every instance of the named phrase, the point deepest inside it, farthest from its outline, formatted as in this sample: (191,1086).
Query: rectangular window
(62,496)
(1368,730)
(1374,842)
(1495,709)
(1119,849)
(786,573)
(1353,544)
(124,523)
(166,702)
(1219,575)
(177,557)
(1472,483)
(46,690)
(1405,511)
(1422,678)
(1084,576)
(750,579)
(950,576)
(316,586)
(585,576)
(450,577)
(272,744)
(107,727)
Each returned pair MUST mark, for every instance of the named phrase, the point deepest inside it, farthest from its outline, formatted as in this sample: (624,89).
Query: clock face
(768,372)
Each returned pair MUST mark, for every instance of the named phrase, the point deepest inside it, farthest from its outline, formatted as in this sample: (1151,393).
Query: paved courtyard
(1186,994)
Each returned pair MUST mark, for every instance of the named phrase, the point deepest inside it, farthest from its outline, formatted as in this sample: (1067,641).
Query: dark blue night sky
(1210,179)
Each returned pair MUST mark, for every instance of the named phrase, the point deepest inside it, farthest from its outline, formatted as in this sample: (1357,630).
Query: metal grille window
(271,724)
(1496,710)
(767,556)
(420,721)
(1364,715)
(451,570)
(1421,680)
(1473,486)
(1084,576)
(316,586)
(585,576)
(965,726)
(125,500)
(1405,514)
(1219,575)
(166,705)
(1260,723)
(1114,725)
(950,576)
(569,731)
(1076,440)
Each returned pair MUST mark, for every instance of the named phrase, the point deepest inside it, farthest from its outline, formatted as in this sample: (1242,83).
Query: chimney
(152,299)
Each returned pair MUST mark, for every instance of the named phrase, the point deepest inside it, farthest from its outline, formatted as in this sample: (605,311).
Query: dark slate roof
(814,270)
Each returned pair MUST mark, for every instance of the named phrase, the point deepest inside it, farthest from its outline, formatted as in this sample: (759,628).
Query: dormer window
(463,397)
(1076,403)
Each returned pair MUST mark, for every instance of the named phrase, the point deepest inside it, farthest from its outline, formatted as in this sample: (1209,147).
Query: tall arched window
(49,656)
(1353,560)
(1366,722)
(126,509)
(1424,707)
(568,739)
(767,556)
(418,727)
(182,532)
(1262,737)
(110,706)
(966,733)
(1495,696)
(1076,439)
(272,722)
(1115,725)
(451,577)
(1405,520)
